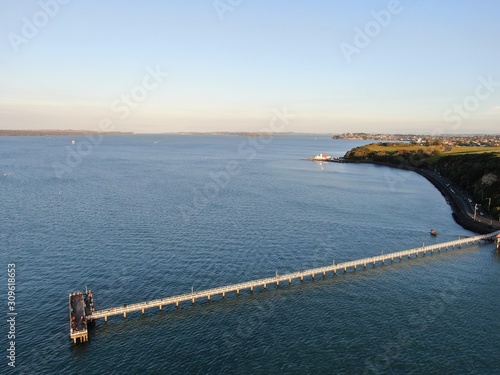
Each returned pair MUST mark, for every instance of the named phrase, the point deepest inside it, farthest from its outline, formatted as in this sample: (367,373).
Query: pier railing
(289,277)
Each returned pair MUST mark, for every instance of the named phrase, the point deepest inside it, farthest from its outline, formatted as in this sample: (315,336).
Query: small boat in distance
(321,157)
(434,232)
(73,142)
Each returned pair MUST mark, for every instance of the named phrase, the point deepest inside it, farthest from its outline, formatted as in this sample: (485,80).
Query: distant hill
(4,132)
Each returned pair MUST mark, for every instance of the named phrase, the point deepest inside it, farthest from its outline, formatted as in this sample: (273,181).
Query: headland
(468,177)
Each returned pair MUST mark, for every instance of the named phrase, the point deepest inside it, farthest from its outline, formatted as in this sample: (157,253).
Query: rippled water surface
(141,217)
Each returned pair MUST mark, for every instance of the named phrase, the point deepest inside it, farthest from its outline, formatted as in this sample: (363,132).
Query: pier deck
(290,277)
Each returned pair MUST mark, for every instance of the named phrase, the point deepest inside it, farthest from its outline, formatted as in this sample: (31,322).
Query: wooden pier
(285,278)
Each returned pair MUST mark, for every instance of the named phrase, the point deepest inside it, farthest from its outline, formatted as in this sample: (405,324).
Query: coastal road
(462,200)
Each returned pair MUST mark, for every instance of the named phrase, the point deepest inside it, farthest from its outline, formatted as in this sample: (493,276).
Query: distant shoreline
(34,133)
(55,132)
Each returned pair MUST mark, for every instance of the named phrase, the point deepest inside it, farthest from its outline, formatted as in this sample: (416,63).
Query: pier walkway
(285,278)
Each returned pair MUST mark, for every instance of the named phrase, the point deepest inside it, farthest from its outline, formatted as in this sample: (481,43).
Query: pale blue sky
(229,71)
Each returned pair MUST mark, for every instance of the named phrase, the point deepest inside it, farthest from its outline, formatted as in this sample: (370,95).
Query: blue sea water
(139,217)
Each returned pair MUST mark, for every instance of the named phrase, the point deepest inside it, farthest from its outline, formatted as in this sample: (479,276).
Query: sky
(420,67)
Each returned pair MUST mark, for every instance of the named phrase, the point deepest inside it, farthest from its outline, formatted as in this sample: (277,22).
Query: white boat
(321,157)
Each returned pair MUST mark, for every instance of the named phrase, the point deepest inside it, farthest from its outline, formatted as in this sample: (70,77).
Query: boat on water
(321,157)
(434,232)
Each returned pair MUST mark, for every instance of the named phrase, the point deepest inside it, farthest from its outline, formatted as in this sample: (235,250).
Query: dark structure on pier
(81,306)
